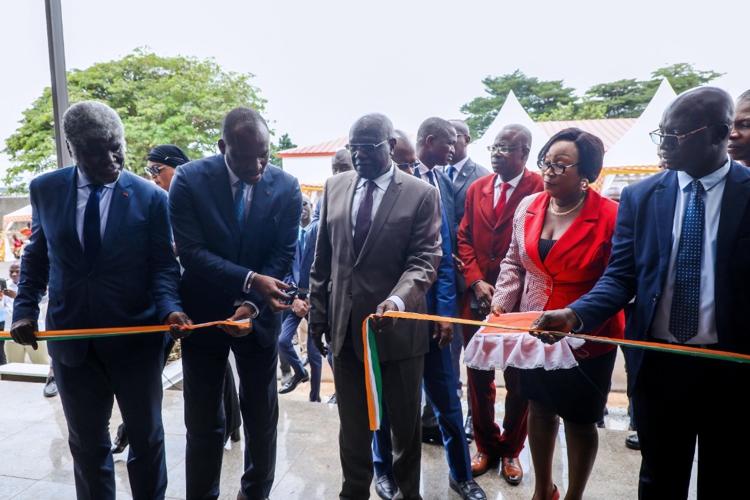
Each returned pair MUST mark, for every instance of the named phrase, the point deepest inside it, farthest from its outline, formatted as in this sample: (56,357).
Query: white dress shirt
(458,166)
(714,185)
(381,185)
(513,183)
(82,197)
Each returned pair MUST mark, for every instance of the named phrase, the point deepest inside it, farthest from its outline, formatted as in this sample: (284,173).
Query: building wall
(309,169)
(10,204)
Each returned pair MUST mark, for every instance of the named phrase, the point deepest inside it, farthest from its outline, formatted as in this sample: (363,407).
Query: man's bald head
(521,133)
(404,153)
(703,116)
(341,162)
(739,138)
(371,144)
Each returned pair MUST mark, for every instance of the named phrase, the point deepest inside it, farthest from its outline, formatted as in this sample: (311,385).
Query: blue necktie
(683,318)
(302,239)
(451,172)
(239,204)
(92,237)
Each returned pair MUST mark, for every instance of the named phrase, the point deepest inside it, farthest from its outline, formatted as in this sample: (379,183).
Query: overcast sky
(321,64)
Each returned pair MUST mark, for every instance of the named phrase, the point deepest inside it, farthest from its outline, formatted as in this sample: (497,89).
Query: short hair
(241,116)
(342,154)
(461,123)
(402,136)
(432,126)
(88,121)
(745,96)
(378,121)
(521,131)
(590,151)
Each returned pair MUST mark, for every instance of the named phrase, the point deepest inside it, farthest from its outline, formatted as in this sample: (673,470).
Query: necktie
(364,218)
(683,318)
(92,237)
(302,239)
(452,172)
(239,203)
(500,205)
(430,177)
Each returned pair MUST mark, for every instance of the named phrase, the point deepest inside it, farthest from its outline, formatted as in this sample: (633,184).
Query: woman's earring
(585,184)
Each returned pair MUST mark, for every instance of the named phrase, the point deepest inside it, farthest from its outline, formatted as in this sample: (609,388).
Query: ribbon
(91,333)
(374,392)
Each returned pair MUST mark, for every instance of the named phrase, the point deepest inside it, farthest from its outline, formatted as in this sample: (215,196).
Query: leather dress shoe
(481,463)
(294,382)
(432,435)
(50,387)
(512,471)
(469,428)
(242,496)
(469,490)
(632,442)
(121,440)
(385,487)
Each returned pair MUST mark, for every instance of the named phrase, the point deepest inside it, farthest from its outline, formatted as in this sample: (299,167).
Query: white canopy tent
(511,112)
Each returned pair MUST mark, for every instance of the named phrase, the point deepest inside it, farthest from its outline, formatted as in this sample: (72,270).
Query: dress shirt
(381,185)
(82,197)
(422,170)
(512,187)
(714,185)
(458,166)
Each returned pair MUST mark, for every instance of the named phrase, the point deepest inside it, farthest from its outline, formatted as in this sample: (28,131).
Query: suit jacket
(217,256)
(133,282)
(470,172)
(441,297)
(303,259)
(483,239)
(399,257)
(640,257)
(572,267)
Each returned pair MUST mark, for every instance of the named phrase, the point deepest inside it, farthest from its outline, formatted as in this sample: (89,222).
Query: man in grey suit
(378,249)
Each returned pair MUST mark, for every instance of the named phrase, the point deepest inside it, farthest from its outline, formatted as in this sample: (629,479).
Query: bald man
(680,247)
(404,153)
(341,162)
(739,138)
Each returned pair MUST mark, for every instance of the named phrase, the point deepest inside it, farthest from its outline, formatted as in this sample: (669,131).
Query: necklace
(562,214)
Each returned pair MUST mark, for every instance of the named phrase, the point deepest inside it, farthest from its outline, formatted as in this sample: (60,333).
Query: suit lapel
(384,209)
(222,194)
(532,229)
(121,195)
(351,188)
(734,202)
(664,200)
(262,195)
(466,172)
(68,215)
(579,228)
(486,204)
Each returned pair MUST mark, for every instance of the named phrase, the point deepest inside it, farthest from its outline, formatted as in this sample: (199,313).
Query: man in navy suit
(100,238)
(235,220)
(681,248)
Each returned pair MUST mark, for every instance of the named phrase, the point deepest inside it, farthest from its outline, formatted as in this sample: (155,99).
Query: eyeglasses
(365,148)
(502,149)
(404,166)
(154,169)
(557,168)
(658,138)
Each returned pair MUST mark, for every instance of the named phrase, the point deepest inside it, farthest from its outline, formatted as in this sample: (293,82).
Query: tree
(161,100)
(284,143)
(536,96)
(683,76)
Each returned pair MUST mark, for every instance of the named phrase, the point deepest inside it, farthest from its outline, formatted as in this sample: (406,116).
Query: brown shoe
(481,463)
(512,471)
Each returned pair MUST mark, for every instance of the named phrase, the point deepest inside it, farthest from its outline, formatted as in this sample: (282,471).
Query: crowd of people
(401,226)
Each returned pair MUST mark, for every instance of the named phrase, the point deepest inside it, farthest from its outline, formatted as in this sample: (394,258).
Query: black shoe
(50,387)
(632,442)
(121,440)
(432,435)
(332,400)
(469,490)
(294,382)
(385,487)
(469,429)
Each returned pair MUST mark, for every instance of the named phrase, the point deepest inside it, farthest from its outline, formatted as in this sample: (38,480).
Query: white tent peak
(511,112)
(635,148)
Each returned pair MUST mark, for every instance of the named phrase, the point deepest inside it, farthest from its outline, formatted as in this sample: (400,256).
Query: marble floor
(36,463)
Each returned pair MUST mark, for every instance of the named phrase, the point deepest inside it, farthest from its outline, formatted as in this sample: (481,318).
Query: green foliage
(161,100)
(284,143)
(536,96)
(550,100)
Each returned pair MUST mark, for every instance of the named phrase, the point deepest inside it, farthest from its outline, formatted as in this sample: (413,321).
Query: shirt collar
(422,168)
(232,178)
(382,181)
(708,181)
(84,181)
(458,166)
(513,182)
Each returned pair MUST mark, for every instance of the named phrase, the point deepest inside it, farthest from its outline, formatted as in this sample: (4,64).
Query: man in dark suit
(739,138)
(378,249)
(93,225)
(483,240)
(680,247)
(236,222)
(462,171)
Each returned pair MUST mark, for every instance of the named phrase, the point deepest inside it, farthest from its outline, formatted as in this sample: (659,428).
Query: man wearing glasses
(378,249)
(483,240)
(680,247)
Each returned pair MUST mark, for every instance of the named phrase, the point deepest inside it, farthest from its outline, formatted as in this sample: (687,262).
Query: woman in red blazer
(562,239)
